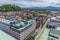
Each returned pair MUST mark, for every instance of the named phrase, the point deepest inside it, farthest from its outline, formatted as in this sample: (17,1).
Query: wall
(9,31)
(25,34)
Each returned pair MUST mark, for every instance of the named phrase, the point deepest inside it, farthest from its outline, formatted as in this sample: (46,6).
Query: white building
(55,21)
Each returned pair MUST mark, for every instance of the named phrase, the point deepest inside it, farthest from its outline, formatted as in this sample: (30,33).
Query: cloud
(32,3)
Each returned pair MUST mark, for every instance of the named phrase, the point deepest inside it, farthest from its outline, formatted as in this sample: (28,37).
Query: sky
(32,3)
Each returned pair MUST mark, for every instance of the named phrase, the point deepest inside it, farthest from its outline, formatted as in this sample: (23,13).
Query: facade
(21,31)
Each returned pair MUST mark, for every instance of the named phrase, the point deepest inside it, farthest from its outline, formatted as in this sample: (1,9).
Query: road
(41,30)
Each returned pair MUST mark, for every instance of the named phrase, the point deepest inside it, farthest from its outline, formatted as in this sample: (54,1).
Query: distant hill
(43,8)
(9,8)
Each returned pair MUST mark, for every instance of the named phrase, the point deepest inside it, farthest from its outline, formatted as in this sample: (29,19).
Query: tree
(43,12)
(5,8)
(33,13)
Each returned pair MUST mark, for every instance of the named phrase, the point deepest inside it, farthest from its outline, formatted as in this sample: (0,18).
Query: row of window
(26,32)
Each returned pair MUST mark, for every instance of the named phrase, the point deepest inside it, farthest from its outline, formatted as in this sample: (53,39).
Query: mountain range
(43,8)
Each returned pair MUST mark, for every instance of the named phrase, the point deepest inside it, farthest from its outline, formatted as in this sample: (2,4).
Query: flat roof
(4,21)
(30,22)
(56,32)
(5,36)
(20,26)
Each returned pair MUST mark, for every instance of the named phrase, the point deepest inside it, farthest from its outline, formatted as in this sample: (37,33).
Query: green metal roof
(4,21)
(30,22)
(5,36)
(20,26)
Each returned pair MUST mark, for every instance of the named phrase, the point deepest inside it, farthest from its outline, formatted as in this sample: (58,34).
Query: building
(54,20)
(2,17)
(5,36)
(17,13)
(54,34)
(53,13)
(54,26)
(21,30)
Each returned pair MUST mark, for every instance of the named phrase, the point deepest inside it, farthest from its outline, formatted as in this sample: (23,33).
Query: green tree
(9,8)
(33,13)
(43,12)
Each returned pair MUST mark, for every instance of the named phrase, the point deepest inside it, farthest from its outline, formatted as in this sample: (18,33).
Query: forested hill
(9,8)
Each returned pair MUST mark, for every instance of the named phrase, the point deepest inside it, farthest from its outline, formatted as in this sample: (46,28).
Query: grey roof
(56,32)
(13,18)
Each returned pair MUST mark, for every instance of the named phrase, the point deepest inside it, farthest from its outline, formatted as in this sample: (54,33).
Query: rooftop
(56,31)
(4,21)
(19,26)
(5,36)
(54,21)
(23,25)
